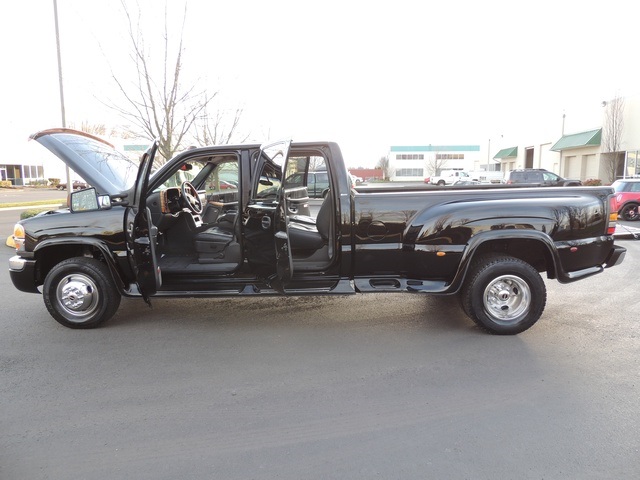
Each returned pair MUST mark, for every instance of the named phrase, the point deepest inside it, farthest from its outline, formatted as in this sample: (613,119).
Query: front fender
(111,258)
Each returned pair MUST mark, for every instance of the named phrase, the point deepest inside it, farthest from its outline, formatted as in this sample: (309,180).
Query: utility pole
(488,154)
(64,121)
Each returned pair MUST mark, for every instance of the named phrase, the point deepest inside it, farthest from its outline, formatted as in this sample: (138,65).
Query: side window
(322,178)
(268,182)
(309,170)
(224,179)
(635,186)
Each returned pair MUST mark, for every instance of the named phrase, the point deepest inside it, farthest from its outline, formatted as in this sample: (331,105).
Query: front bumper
(23,274)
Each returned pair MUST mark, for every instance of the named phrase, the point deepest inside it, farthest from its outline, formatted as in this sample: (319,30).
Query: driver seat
(217,243)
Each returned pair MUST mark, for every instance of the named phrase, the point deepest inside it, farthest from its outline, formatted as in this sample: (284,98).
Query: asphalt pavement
(385,386)
(359,386)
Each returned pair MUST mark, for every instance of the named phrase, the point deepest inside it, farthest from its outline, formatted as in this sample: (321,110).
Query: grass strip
(34,203)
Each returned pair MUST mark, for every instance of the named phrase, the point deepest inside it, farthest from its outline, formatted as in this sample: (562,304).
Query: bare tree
(436,163)
(218,128)
(612,136)
(100,129)
(88,127)
(385,166)
(165,110)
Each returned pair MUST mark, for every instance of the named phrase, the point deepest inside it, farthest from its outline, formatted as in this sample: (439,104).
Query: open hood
(94,159)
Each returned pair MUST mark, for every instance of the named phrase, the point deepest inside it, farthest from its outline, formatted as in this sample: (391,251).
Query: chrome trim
(17,263)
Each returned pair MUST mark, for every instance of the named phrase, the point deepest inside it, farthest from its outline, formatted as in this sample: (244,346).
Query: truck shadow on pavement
(432,313)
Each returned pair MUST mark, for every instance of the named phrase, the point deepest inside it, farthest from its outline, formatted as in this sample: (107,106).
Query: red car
(627,198)
(77,185)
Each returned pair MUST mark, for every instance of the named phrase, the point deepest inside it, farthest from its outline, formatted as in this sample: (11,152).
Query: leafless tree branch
(611,142)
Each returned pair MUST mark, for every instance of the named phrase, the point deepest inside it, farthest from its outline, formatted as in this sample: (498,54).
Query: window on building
(410,172)
(449,156)
(410,156)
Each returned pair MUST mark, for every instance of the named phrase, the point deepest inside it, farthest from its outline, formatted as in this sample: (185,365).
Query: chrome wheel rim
(78,297)
(507,299)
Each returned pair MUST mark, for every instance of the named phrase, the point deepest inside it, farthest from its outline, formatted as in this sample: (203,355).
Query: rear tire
(503,295)
(630,212)
(80,293)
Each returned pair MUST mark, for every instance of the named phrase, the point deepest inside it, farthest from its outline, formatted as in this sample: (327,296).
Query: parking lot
(366,386)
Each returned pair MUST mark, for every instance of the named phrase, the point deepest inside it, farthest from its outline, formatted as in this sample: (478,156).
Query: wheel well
(534,252)
(49,257)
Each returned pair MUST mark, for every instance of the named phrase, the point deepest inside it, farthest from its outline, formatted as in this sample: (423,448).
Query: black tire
(79,293)
(630,212)
(503,295)
(440,183)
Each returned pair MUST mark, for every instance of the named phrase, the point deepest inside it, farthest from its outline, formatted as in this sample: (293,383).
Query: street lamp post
(62,112)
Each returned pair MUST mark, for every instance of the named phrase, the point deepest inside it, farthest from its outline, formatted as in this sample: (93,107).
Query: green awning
(510,152)
(578,140)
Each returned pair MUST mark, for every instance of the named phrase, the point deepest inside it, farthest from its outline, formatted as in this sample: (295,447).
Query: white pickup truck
(448,177)
(491,176)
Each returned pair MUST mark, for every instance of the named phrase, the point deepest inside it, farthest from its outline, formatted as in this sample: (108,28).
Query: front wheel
(630,212)
(503,295)
(80,293)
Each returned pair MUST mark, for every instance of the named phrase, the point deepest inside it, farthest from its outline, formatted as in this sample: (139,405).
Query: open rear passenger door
(265,225)
(278,152)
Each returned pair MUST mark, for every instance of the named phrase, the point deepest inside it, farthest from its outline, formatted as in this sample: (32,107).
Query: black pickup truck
(228,221)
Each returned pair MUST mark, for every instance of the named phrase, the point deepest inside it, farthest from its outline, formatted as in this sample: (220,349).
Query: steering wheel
(191,199)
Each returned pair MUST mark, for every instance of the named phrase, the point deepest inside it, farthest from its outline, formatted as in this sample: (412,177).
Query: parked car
(317,183)
(77,185)
(540,177)
(627,198)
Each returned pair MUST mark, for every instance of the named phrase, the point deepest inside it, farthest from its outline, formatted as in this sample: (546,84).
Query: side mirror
(88,200)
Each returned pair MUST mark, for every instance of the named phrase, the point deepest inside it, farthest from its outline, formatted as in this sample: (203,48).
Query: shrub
(32,212)
(54,181)
(593,182)
(5,183)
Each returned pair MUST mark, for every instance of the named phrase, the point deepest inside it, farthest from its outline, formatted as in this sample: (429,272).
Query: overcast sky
(366,74)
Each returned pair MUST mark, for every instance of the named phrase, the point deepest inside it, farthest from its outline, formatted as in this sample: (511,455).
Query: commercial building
(22,174)
(591,154)
(585,154)
(414,163)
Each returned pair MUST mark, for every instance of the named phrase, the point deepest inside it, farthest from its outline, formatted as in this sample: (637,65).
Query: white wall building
(415,163)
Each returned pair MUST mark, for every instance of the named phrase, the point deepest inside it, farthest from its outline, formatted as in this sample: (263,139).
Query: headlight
(18,236)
